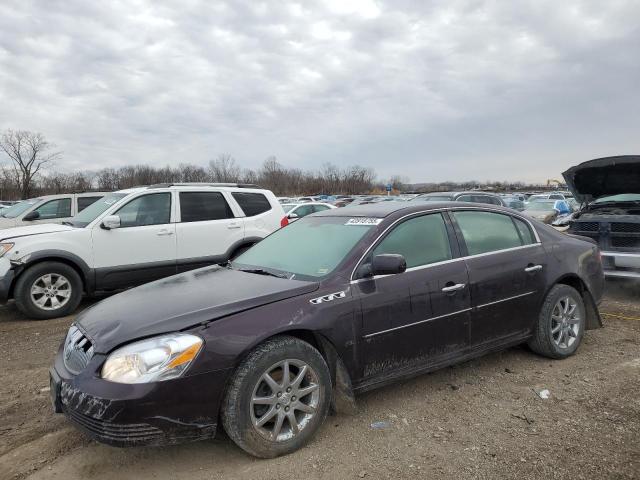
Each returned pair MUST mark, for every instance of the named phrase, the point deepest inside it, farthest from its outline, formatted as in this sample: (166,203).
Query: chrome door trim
(416,323)
(506,299)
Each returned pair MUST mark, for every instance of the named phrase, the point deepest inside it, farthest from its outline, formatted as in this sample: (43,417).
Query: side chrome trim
(505,299)
(416,323)
(442,210)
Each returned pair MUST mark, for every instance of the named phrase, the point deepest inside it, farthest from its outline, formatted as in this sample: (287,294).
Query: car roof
(385,209)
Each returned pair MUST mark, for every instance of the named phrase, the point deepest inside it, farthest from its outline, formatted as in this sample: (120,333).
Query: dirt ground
(480,419)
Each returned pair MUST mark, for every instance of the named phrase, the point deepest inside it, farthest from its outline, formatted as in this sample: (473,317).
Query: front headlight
(152,360)
(5,247)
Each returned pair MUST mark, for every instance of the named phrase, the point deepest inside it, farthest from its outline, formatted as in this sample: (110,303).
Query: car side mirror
(29,217)
(110,222)
(293,215)
(388,264)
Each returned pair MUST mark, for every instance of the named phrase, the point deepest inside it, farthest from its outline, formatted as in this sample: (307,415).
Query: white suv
(128,238)
(47,209)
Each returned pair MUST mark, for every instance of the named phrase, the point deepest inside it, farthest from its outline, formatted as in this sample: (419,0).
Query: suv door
(142,249)
(53,211)
(207,230)
(413,319)
(505,262)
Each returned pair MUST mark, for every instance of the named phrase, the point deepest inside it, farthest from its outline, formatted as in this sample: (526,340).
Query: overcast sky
(432,90)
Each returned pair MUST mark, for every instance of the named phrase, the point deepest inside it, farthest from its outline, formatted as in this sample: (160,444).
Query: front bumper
(154,414)
(621,265)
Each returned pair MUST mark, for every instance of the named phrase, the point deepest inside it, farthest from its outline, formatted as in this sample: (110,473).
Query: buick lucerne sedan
(340,302)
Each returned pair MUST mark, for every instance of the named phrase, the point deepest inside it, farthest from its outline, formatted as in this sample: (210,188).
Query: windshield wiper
(262,271)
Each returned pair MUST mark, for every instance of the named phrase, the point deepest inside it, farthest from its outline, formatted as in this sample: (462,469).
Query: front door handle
(533,268)
(163,233)
(453,288)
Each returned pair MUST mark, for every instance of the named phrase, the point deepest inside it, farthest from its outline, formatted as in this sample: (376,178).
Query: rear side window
(465,198)
(60,208)
(525,231)
(252,203)
(487,232)
(84,202)
(422,240)
(203,206)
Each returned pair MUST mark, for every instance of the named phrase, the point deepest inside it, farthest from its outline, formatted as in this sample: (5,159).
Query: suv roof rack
(196,184)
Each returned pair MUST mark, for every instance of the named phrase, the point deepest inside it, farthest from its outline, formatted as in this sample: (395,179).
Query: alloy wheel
(51,291)
(565,322)
(285,400)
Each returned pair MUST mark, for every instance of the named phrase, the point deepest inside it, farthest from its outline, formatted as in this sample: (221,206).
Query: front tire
(48,290)
(561,323)
(278,398)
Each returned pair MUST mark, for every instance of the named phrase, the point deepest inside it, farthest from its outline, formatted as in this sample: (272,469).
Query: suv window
(84,202)
(252,203)
(487,232)
(525,231)
(422,240)
(202,206)
(152,209)
(60,208)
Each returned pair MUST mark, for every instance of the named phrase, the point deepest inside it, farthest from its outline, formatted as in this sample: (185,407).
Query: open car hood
(603,177)
(182,301)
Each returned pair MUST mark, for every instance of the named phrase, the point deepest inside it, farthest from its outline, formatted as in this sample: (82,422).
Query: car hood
(603,177)
(182,301)
(32,230)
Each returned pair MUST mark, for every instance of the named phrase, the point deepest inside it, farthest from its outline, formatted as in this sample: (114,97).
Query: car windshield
(20,208)
(541,205)
(433,198)
(89,214)
(308,249)
(623,197)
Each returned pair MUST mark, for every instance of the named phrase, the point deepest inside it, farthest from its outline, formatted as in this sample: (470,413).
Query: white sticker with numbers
(364,221)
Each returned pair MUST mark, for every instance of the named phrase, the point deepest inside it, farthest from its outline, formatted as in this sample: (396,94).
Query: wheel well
(66,261)
(593,319)
(240,247)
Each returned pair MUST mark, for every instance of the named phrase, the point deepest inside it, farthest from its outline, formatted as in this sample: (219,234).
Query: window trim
(179,207)
(47,202)
(120,207)
(445,212)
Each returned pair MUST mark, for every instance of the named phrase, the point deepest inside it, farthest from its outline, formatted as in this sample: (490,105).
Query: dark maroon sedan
(338,303)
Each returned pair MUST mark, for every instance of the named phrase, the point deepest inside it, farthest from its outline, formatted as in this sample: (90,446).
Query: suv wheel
(48,290)
(560,324)
(278,398)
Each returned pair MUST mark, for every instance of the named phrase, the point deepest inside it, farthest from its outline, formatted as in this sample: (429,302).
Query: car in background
(287,200)
(296,211)
(514,201)
(608,190)
(344,301)
(128,238)
(7,203)
(541,197)
(304,199)
(343,201)
(470,197)
(547,211)
(47,209)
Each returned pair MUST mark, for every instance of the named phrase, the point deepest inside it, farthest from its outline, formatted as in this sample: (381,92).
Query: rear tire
(561,323)
(263,416)
(48,290)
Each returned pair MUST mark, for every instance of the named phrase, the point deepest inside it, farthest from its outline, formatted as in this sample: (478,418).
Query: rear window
(252,203)
(84,202)
(203,206)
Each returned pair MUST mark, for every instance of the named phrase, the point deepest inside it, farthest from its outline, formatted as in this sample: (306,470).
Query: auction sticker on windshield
(364,221)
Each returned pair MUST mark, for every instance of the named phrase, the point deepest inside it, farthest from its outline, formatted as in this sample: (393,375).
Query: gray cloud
(431,90)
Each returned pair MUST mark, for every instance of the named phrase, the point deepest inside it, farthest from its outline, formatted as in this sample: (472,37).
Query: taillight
(284,222)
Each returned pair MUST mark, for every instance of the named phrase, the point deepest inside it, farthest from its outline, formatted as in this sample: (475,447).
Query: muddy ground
(480,419)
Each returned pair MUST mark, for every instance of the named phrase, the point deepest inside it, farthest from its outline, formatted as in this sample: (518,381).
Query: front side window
(153,209)
(421,241)
(202,206)
(60,208)
(252,203)
(485,232)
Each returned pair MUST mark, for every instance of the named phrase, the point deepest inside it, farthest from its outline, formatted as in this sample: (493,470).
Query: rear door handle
(533,268)
(453,288)
(164,233)
(233,226)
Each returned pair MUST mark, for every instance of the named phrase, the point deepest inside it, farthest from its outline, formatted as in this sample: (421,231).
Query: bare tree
(224,169)
(29,153)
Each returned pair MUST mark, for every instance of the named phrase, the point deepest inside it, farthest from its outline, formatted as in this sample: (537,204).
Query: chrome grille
(78,350)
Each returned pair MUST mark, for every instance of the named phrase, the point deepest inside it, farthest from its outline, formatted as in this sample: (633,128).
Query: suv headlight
(153,360)
(5,247)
